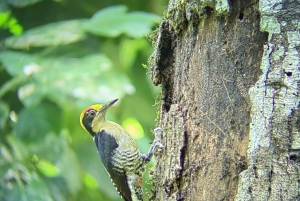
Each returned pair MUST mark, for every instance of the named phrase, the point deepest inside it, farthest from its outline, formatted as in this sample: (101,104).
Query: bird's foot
(156,144)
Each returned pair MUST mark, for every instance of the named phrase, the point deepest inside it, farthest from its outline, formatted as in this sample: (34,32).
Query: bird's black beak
(107,105)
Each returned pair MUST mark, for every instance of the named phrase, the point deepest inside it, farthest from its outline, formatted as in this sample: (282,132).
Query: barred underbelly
(127,160)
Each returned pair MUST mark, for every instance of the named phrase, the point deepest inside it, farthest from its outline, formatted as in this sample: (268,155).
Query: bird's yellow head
(93,115)
(87,116)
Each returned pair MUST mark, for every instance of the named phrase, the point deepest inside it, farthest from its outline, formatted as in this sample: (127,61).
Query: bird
(118,151)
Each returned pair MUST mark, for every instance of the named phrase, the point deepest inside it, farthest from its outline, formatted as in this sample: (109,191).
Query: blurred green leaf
(58,188)
(129,49)
(54,34)
(7,21)
(90,181)
(113,21)
(14,62)
(31,94)
(3,170)
(37,190)
(34,190)
(87,79)
(68,165)
(134,127)
(12,84)
(50,149)
(34,159)
(15,182)
(47,168)
(4,17)
(22,3)
(139,23)
(35,123)
(5,154)
(3,7)
(16,28)
(4,112)
(18,148)
(106,21)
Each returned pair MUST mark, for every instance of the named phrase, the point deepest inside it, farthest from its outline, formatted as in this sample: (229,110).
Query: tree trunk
(229,73)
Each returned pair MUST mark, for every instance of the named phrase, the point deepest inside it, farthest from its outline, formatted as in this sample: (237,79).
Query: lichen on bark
(273,154)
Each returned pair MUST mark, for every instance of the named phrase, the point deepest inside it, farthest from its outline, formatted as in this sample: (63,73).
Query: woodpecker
(118,151)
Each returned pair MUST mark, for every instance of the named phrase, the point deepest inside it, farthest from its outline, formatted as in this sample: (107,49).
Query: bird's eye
(92,113)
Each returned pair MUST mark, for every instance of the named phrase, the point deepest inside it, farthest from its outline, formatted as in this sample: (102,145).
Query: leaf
(4,112)
(19,149)
(8,21)
(86,79)
(139,24)
(22,3)
(47,168)
(68,165)
(134,127)
(58,188)
(34,123)
(5,166)
(32,94)
(90,181)
(4,16)
(3,8)
(53,34)
(129,49)
(37,190)
(50,150)
(14,62)
(21,184)
(113,21)
(106,21)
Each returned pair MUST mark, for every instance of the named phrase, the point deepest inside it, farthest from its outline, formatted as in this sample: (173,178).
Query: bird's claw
(157,141)
(158,132)
(155,146)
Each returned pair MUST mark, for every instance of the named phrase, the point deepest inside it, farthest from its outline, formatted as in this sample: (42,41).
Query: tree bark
(229,73)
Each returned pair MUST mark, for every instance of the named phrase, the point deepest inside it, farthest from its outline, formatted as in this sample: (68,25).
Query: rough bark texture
(273,156)
(229,104)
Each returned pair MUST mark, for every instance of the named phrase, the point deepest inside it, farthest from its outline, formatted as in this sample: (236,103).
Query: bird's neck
(98,125)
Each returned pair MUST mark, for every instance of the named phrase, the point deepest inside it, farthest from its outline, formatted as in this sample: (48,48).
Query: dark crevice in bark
(183,156)
(209,11)
(162,64)
(293,127)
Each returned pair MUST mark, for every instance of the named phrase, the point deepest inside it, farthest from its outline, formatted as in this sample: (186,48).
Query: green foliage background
(58,57)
